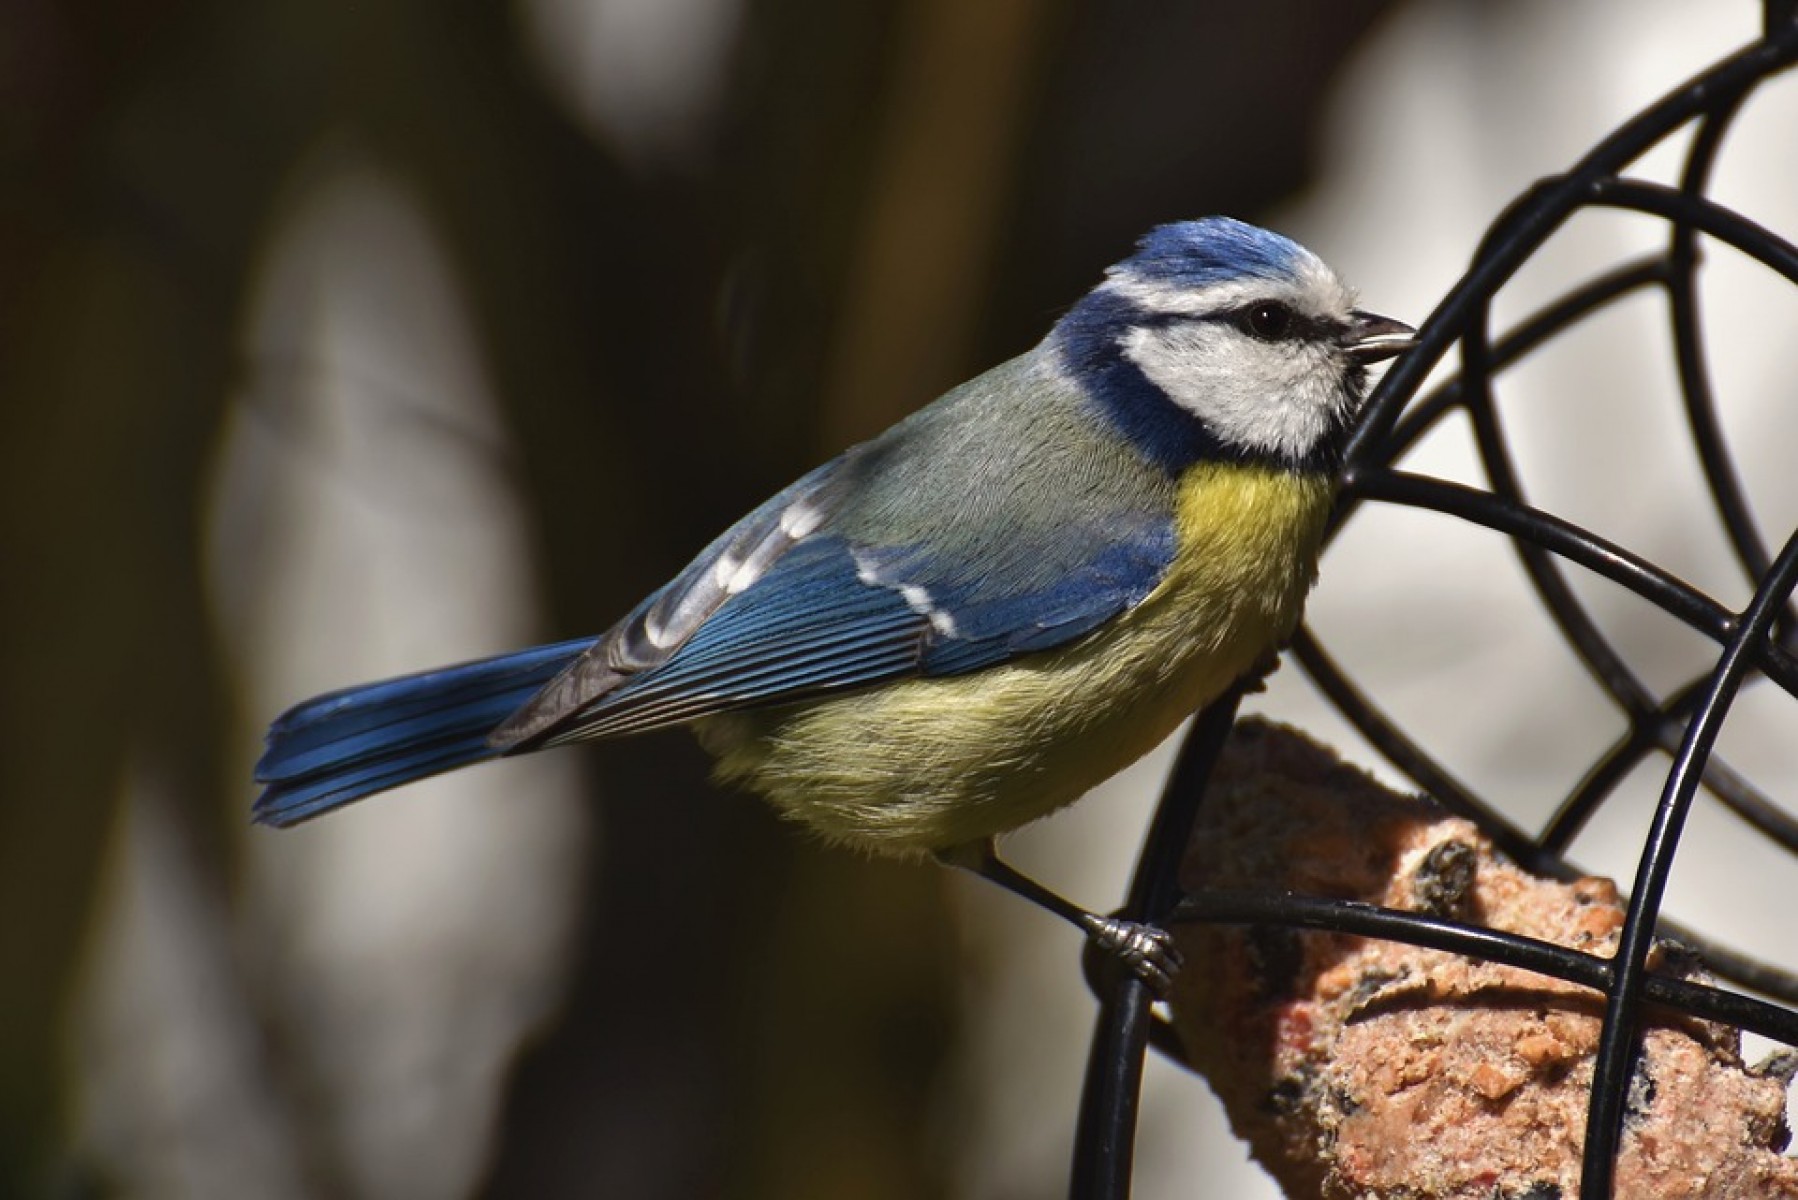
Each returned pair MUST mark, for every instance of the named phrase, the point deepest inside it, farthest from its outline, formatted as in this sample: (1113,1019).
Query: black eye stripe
(1273,321)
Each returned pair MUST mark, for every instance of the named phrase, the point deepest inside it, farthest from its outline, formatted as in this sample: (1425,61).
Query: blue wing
(831,615)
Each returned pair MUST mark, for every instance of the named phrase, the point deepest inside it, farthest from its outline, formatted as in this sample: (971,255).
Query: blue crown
(1190,254)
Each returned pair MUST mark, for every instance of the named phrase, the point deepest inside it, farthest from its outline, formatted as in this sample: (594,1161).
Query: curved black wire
(1522,229)
(1688,348)
(1103,1141)
(1617,1043)
(1544,531)
(1682,725)
(1332,915)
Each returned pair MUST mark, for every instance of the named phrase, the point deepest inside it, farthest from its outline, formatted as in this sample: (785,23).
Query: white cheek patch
(1281,398)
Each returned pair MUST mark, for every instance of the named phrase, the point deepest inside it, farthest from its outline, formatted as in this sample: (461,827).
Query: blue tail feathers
(343,746)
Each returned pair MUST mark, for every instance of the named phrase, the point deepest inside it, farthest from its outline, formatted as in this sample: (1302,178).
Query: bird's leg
(1147,951)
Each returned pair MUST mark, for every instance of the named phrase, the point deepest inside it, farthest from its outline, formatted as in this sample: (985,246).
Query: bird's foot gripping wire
(1145,951)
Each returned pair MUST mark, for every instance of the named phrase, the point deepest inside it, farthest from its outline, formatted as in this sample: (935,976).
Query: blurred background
(343,339)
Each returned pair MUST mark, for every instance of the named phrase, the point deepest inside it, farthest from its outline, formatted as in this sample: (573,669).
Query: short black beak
(1370,338)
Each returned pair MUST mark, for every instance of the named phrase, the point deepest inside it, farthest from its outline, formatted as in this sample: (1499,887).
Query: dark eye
(1267,320)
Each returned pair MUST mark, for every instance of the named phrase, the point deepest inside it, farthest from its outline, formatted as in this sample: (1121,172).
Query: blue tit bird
(971,620)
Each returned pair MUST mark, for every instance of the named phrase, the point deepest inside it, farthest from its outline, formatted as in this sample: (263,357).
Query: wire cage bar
(1759,642)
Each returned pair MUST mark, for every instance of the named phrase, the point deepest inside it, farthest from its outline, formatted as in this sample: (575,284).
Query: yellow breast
(926,764)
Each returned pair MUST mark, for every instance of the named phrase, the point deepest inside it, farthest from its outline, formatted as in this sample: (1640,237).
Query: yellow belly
(926,764)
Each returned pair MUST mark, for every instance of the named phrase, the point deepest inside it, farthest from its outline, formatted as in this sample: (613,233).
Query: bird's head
(1217,340)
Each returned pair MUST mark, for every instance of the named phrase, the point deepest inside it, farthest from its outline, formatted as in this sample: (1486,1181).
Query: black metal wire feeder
(1760,642)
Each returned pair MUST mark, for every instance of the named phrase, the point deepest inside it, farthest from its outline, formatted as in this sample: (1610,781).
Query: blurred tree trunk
(128,256)
(129,204)
(751,1015)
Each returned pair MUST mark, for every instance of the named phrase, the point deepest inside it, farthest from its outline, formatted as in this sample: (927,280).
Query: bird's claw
(1149,953)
